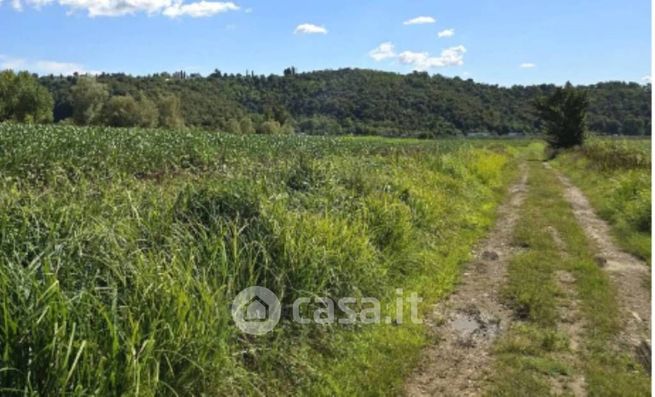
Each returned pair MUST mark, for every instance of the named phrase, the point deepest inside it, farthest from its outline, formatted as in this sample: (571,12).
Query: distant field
(121,250)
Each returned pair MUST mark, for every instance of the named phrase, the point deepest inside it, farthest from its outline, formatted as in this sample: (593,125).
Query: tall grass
(121,250)
(613,154)
(616,175)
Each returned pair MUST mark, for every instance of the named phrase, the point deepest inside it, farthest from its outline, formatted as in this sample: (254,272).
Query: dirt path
(467,323)
(630,275)
(570,323)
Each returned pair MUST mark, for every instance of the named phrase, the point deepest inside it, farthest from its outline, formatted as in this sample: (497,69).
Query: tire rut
(630,276)
(467,323)
(571,324)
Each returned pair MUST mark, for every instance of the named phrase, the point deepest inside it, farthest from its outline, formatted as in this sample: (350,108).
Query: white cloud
(199,9)
(647,79)
(106,7)
(43,67)
(113,8)
(421,61)
(420,21)
(11,63)
(446,33)
(383,51)
(36,3)
(308,28)
(56,68)
(527,65)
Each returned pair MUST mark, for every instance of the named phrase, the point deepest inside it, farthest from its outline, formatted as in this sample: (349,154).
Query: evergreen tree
(564,116)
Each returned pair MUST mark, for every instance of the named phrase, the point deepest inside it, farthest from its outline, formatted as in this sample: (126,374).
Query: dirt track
(630,275)
(467,323)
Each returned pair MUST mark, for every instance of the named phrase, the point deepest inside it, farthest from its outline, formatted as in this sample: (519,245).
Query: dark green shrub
(564,116)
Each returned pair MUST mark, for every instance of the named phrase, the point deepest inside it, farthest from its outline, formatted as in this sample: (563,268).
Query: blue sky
(494,41)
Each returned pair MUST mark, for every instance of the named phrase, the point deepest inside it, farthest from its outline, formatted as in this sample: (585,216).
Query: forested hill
(365,102)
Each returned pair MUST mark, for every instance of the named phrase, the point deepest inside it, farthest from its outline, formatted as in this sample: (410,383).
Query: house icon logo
(256,310)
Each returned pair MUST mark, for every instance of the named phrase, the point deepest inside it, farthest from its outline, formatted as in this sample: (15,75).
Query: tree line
(346,101)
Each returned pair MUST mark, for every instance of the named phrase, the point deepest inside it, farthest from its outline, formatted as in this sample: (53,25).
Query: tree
(364,102)
(170,112)
(121,111)
(320,125)
(149,115)
(632,126)
(564,116)
(287,129)
(270,127)
(125,111)
(233,126)
(87,97)
(23,99)
(246,126)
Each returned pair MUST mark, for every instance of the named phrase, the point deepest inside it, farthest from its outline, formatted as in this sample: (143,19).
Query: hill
(357,101)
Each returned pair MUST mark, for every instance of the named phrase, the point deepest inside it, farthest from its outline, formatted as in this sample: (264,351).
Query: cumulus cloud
(199,9)
(309,28)
(383,51)
(113,8)
(446,33)
(420,21)
(43,67)
(527,65)
(421,61)
(647,79)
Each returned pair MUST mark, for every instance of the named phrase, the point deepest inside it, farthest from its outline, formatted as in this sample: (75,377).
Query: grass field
(121,250)
(616,177)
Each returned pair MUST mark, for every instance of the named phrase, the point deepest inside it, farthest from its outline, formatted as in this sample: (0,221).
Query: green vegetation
(23,99)
(616,177)
(564,116)
(121,250)
(535,353)
(125,111)
(347,101)
(87,98)
(91,104)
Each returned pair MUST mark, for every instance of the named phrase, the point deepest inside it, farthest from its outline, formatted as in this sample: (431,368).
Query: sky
(492,41)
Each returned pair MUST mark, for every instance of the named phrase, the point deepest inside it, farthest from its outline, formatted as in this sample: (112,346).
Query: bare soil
(466,324)
(630,275)
(571,324)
